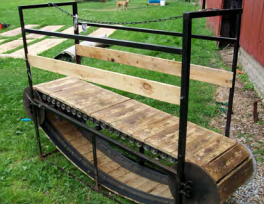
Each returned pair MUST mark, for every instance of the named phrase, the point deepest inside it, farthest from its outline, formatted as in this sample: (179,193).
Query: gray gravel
(253,192)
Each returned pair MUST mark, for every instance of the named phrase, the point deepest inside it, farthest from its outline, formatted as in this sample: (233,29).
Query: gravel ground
(252,193)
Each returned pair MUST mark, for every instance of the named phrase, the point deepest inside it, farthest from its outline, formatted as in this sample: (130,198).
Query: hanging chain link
(117,23)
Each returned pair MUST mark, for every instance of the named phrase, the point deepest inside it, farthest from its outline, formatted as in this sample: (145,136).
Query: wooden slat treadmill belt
(142,122)
(84,147)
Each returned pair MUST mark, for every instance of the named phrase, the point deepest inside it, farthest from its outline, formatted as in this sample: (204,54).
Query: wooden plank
(103,160)
(46,28)
(235,179)
(164,138)
(143,87)
(16,31)
(212,151)
(196,141)
(147,186)
(39,47)
(157,190)
(129,124)
(48,86)
(127,177)
(80,141)
(118,172)
(109,167)
(70,30)
(89,155)
(155,128)
(227,162)
(138,182)
(200,73)
(72,135)
(166,193)
(11,45)
(119,111)
(85,148)
(101,31)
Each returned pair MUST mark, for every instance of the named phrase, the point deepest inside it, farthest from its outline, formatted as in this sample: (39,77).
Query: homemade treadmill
(208,167)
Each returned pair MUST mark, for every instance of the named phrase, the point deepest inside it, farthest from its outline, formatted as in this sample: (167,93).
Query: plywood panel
(39,47)
(144,87)
(200,73)
(16,31)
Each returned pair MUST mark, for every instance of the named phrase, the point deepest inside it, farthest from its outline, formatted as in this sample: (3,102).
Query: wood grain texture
(227,162)
(16,31)
(235,179)
(39,47)
(11,45)
(46,28)
(200,73)
(143,87)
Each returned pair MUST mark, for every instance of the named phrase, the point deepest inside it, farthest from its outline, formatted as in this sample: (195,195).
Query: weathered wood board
(152,89)
(11,45)
(46,28)
(197,72)
(39,47)
(70,30)
(16,31)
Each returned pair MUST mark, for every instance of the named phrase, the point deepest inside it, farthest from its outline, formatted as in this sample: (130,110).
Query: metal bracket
(187,189)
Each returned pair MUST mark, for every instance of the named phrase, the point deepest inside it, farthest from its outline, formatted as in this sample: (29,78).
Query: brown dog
(120,3)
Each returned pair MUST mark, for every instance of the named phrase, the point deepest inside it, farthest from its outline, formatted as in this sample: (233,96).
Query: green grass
(26,179)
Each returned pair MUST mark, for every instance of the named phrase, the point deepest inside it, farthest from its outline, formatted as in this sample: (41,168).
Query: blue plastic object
(26,119)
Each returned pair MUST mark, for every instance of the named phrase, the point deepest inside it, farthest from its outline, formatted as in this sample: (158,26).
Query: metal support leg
(96,175)
(76,31)
(186,58)
(234,67)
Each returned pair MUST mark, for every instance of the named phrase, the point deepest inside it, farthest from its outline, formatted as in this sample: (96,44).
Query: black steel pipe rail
(161,32)
(95,133)
(214,12)
(146,46)
(46,5)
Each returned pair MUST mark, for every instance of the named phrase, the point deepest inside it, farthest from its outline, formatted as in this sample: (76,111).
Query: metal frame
(186,58)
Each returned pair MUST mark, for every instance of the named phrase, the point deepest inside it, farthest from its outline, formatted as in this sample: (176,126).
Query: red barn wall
(252,27)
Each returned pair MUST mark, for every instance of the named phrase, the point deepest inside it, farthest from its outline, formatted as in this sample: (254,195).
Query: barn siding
(214,23)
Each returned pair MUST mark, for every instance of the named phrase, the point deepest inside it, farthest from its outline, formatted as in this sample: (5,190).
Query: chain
(117,23)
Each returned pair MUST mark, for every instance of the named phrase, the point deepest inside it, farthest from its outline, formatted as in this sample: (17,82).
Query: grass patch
(24,178)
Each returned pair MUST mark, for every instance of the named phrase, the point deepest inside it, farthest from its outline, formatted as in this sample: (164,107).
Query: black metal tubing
(204,2)
(216,12)
(35,112)
(76,32)
(186,59)
(46,5)
(124,43)
(234,67)
(184,101)
(162,32)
